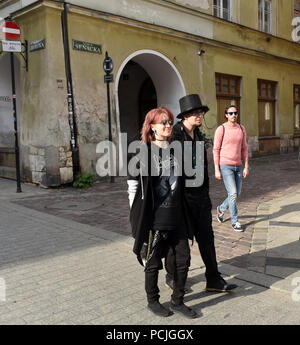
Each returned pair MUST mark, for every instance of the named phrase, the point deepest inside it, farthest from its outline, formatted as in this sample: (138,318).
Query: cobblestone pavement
(56,271)
(106,205)
(66,256)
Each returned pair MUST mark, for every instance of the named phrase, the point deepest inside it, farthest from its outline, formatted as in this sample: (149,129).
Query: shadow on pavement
(284,211)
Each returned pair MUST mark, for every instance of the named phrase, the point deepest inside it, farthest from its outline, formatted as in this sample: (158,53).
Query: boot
(158,309)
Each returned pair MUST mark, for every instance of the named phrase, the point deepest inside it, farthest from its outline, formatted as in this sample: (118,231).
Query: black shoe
(184,310)
(220,285)
(159,309)
(170,284)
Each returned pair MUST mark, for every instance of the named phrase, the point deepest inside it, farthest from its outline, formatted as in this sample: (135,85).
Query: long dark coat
(195,197)
(142,210)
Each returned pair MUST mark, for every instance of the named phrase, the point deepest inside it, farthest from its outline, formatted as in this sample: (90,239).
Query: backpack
(224,133)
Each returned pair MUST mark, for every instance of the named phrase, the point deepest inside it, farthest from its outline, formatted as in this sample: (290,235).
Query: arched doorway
(136,95)
(146,79)
(147,99)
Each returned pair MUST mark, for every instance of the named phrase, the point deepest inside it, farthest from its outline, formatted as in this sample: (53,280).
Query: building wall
(176,30)
(6,114)
(250,69)
(120,40)
(44,130)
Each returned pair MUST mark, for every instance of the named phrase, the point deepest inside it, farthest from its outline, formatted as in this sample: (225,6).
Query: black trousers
(201,220)
(176,251)
(204,236)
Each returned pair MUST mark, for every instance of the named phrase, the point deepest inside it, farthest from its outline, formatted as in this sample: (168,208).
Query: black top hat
(190,103)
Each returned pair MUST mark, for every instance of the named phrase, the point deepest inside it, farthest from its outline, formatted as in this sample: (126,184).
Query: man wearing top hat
(197,202)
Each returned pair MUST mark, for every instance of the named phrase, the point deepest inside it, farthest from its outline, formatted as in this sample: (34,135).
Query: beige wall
(120,41)
(44,133)
(231,49)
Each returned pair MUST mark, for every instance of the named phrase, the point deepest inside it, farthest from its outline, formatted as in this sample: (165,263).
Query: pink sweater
(234,145)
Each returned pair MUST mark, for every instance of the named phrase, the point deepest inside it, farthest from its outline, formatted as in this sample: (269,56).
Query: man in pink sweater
(230,144)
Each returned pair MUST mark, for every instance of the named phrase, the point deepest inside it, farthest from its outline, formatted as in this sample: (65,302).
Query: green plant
(84,180)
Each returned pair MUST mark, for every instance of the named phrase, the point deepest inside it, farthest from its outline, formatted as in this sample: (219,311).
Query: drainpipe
(71,107)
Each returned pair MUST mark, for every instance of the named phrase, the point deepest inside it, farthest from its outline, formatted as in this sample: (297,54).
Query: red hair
(154,116)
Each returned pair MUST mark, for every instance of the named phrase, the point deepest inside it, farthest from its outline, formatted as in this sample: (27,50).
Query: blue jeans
(232,177)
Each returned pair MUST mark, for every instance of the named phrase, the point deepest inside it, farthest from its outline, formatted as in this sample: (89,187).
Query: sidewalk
(66,255)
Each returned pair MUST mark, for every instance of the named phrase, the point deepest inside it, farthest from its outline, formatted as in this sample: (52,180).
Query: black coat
(180,134)
(196,200)
(142,209)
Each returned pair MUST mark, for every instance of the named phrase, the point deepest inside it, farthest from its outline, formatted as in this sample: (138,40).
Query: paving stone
(67,267)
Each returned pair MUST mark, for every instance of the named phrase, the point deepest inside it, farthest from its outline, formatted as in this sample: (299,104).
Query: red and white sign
(11,31)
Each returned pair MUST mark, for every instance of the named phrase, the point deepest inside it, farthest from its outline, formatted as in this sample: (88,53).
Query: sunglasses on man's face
(232,112)
(198,113)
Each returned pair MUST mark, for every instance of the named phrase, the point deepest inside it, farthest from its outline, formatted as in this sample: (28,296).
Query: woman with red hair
(156,214)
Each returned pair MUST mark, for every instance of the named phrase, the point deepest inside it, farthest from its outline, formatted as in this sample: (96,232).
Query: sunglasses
(198,113)
(165,122)
(232,113)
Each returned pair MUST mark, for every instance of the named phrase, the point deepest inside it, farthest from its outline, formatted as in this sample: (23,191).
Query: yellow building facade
(241,52)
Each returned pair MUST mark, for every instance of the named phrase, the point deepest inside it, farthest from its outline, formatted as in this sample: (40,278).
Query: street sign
(87,47)
(38,44)
(11,31)
(12,46)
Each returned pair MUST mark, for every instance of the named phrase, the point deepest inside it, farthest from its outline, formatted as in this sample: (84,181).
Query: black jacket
(142,210)
(181,135)
(196,200)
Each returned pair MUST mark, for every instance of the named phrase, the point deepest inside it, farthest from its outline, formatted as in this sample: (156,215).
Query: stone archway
(165,87)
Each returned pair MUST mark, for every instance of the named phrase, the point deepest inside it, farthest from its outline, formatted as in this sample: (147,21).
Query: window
(266,91)
(265,16)
(297,109)
(228,92)
(222,9)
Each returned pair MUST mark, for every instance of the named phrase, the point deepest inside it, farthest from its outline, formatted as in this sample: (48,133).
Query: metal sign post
(14,98)
(108,78)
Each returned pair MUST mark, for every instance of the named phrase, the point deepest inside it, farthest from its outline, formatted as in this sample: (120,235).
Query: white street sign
(12,46)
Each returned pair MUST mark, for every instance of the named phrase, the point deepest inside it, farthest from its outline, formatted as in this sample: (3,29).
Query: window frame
(267,99)
(261,16)
(222,95)
(220,9)
(230,77)
(296,101)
